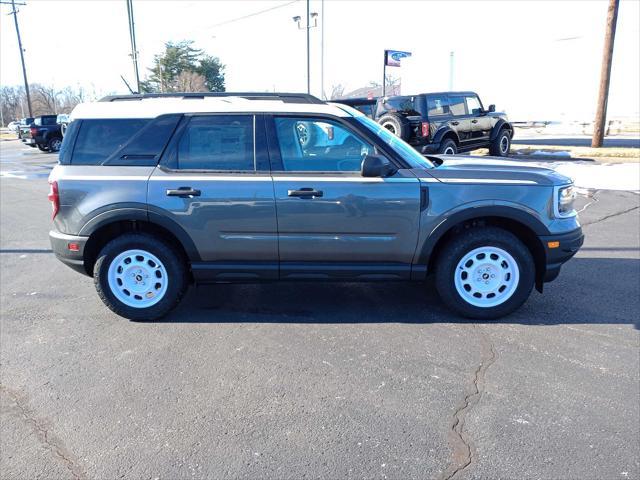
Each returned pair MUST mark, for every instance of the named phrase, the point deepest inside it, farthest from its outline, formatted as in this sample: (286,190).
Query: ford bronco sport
(154,192)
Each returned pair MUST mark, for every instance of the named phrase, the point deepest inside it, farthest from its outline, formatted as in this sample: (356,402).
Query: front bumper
(60,246)
(567,246)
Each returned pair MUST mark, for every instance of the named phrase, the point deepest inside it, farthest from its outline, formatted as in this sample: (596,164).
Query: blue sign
(392,57)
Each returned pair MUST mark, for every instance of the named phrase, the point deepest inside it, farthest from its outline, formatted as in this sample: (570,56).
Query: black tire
(466,242)
(501,144)
(42,148)
(173,262)
(396,124)
(448,147)
(54,144)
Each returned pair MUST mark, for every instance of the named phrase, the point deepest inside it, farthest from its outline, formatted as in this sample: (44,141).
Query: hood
(479,170)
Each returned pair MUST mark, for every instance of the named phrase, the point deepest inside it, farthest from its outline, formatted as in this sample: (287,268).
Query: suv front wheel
(140,277)
(501,145)
(485,273)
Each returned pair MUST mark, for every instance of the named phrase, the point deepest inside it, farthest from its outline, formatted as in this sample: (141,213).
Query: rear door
(214,182)
(332,222)
(460,121)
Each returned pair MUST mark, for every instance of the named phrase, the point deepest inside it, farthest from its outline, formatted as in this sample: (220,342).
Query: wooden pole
(605,74)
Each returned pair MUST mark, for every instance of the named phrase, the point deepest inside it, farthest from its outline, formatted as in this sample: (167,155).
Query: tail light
(54,198)
(33,131)
(425,129)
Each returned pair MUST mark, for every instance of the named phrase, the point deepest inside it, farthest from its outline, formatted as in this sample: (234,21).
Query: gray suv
(155,192)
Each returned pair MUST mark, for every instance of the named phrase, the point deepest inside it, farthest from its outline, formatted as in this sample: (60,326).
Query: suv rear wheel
(396,124)
(448,147)
(140,277)
(501,145)
(54,144)
(485,273)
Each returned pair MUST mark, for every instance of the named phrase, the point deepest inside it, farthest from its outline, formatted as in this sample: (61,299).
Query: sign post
(391,58)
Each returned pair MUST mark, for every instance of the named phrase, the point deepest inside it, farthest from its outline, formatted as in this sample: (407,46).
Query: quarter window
(98,139)
(319,146)
(217,142)
(456,105)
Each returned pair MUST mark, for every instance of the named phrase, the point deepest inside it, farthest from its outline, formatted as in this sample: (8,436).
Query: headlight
(564,198)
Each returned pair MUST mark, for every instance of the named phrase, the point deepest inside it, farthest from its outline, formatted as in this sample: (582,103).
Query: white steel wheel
(449,151)
(504,144)
(137,278)
(486,277)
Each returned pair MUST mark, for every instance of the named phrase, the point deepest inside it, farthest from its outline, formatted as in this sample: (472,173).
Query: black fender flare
(496,211)
(498,127)
(140,213)
(442,131)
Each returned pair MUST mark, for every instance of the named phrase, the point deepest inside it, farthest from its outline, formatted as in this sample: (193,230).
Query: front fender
(500,124)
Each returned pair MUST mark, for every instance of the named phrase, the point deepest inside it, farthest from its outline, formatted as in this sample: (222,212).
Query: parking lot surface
(297,380)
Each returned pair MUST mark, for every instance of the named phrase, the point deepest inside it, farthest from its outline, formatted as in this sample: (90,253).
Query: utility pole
(134,48)
(14,12)
(605,74)
(308,50)
(323,96)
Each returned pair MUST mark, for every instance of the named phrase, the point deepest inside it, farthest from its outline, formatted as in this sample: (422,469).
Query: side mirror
(492,108)
(376,166)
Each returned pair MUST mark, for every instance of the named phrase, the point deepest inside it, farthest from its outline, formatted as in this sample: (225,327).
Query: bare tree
(337,91)
(188,81)
(44,99)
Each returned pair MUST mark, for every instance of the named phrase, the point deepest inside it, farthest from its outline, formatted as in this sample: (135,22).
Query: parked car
(44,133)
(25,124)
(151,194)
(445,122)
(14,126)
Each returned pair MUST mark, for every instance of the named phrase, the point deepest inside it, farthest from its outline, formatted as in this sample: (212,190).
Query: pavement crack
(607,217)
(462,455)
(44,434)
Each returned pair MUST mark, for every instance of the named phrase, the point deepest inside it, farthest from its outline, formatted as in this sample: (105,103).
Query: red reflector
(425,129)
(73,247)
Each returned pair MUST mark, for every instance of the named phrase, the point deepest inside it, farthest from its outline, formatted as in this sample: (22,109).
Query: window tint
(400,104)
(456,105)
(473,104)
(319,146)
(217,142)
(437,105)
(98,139)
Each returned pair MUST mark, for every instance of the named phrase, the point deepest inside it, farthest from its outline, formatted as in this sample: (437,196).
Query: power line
(260,12)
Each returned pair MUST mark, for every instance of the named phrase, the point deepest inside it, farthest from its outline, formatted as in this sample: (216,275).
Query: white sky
(510,52)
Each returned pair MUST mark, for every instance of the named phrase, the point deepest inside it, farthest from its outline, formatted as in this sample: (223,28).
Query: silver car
(156,192)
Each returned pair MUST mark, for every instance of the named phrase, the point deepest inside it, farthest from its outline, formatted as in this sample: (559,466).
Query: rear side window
(438,105)
(99,139)
(400,104)
(456,105)
(217,142)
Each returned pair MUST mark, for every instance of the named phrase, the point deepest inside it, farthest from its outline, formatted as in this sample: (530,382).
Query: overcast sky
(537,59)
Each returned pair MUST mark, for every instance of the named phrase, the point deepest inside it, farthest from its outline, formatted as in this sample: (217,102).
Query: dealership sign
(393,57)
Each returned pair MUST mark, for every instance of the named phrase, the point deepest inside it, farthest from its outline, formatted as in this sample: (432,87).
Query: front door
(460,120)
(332,222)
(214,183)
(480,122)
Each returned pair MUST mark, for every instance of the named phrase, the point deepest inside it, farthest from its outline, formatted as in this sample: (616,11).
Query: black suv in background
(45,133)
(444,122)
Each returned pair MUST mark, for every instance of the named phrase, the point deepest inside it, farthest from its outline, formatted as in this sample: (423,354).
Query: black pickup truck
(44,133)
(444,122)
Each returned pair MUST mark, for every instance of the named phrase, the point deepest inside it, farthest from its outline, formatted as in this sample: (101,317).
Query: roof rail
(285,97)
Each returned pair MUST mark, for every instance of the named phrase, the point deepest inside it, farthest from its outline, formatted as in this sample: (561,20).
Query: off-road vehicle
(155,192)
(444,122)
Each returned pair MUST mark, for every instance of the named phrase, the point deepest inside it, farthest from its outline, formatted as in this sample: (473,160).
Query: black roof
(285,97)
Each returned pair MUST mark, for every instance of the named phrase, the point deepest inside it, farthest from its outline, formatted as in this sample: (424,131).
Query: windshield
(406,151)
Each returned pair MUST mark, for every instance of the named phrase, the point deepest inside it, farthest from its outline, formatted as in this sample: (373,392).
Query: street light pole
(324,97)
(308,50)
(605,74)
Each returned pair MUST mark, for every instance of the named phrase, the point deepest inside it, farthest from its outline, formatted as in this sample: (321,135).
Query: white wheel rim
(504,144)
(137,278)
(487,277)
(448,151)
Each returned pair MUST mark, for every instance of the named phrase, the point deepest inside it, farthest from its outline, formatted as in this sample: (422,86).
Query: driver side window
(319,145)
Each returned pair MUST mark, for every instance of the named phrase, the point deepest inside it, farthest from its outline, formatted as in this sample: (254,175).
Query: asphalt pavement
(316,380)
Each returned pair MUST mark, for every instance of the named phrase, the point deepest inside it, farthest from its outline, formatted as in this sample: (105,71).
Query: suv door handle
(305,193)
(474,121)
(184,192)
(455,123)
